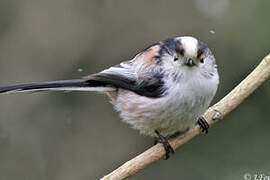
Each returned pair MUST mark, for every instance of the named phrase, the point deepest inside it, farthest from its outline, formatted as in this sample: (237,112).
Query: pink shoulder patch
(149,55)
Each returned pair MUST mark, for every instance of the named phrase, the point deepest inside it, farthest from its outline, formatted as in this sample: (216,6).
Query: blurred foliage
(78,135)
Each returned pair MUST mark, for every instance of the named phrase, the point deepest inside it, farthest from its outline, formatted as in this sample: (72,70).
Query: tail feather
(66,85)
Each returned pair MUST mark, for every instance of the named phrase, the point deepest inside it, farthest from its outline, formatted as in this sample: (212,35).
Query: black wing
(149,83)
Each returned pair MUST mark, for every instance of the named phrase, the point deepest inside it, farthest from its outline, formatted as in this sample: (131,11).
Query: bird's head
(186,51)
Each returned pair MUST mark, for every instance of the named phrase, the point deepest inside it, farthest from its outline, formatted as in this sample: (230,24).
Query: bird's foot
(164,141)
(203,124)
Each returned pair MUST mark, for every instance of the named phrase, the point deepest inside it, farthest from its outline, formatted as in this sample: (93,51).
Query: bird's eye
(202,60)
(202,57)
(175,57)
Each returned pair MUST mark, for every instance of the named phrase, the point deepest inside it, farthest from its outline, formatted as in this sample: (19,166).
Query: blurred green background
(78,136)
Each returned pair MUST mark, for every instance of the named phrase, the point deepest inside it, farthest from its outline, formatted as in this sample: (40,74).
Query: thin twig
(214,114)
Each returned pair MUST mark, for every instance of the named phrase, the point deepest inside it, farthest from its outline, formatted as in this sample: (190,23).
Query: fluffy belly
(168,114)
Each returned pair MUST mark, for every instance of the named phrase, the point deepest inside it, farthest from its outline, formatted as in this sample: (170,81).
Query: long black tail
(66,85)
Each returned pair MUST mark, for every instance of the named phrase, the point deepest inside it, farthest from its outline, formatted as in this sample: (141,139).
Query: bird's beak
(190,62)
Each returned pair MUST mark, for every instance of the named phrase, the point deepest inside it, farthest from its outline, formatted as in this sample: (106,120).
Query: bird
(162,91)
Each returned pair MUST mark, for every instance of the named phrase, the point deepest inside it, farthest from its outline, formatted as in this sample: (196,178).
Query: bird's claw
(203,124)
(163,140)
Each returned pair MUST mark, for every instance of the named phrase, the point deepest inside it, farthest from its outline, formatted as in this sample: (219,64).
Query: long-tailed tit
(162,91)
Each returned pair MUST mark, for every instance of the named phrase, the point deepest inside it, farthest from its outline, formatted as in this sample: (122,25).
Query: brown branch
(212,115)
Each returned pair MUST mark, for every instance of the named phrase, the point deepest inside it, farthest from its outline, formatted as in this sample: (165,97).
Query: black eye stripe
(181,51)
(199,53)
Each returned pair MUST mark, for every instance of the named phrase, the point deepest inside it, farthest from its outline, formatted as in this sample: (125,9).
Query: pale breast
(177,111)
